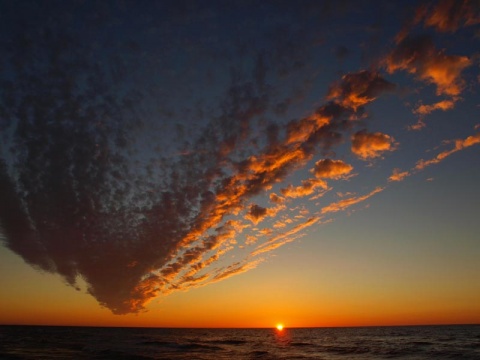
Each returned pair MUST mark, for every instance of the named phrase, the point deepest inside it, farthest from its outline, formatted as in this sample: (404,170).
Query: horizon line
(241,327)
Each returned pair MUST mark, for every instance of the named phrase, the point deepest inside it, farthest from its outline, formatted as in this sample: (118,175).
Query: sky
(240,163)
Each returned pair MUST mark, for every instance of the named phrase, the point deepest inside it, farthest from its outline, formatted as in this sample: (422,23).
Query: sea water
(405,342)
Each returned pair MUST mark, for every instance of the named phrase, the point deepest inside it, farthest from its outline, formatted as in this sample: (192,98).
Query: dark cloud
(84,192)
(450,15)
(96,183)
(418,55)
(358,89)
(256,213)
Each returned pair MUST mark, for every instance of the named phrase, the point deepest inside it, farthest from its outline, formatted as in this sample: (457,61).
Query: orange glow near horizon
(298,308)
(279,327)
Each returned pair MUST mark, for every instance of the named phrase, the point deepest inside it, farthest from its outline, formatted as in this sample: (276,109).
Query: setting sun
(279,327)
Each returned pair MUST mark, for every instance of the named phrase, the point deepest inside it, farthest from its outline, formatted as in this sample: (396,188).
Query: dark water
(412,342)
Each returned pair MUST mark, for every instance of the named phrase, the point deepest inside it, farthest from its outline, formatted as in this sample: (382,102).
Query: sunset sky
(239,163)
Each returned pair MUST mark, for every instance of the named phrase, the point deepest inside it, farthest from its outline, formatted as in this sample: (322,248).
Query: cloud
(160,224)
(346,203)
(443,105)
(250,240)
(274,198)
(331,169)
(398,175)
(419,125)
(443,16)
(301,130)
(424,110)
(459,145)
(235,269)
(307,188)
(371,145)
(89,206)
(417,55)
(450,15)
(94,197)
(257,213)
(358,89)
(284,238)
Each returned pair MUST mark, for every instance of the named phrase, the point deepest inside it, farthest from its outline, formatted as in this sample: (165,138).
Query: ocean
(403,342)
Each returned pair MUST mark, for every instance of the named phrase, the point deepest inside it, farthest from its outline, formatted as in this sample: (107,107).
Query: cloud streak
(346,203)
(459,144)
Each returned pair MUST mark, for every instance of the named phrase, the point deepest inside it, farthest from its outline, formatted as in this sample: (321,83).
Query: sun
(279,327)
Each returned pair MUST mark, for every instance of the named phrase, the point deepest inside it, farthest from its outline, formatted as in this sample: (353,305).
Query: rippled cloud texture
(154,147)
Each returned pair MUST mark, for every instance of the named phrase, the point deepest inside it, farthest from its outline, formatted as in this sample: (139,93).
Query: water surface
(407,342)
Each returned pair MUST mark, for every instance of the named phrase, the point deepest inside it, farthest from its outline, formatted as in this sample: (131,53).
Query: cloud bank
(132,165)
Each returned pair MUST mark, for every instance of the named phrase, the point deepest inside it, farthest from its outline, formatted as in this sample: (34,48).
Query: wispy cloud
(346,203)
(443,105)
(458,145)
(236,268)
(284,238)
(398,175)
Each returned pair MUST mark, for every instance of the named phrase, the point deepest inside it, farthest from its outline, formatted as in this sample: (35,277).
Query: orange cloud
(340,194)
(450,15)
(459,145)
(443,105)
(301,130)
(274,198)
(423,110)
(236,268)
(418,56)
(190,261)
(257,213)
(250,240)
(358,89)
(371,145)
(331,169)
(420,124)
(279,224)
(274,160)
(308,187)
(190,281)
(285,237)
(346,203)
(398,175)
